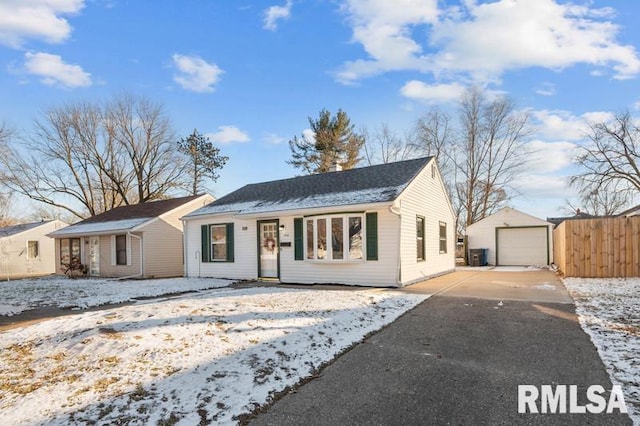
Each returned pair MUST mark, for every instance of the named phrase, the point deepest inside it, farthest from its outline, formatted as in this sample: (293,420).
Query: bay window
(334,238)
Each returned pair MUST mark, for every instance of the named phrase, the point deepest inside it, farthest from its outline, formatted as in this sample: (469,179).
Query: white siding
(382,272)
(482,234)
(245,264)
(13,252)
(426,197)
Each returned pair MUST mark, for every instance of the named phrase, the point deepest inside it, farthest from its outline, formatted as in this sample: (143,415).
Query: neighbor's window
(334,237)
(443,237)
(219,242)
(69,249)
(32,250)
(420,237)
(121,249)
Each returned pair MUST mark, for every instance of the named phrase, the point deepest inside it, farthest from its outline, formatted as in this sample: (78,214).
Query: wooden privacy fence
(598,248)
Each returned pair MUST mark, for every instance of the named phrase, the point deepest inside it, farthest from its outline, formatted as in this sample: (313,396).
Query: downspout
(141,274)
(395,209)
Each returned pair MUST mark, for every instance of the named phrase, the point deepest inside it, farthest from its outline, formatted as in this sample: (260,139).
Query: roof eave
(295,212)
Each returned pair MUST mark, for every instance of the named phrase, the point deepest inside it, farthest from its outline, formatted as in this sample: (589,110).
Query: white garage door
(522,246)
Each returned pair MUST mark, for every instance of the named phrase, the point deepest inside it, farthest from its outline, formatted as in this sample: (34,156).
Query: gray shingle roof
(373,184)
(16,229)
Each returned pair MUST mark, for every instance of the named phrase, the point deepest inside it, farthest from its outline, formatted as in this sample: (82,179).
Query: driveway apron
(458,359)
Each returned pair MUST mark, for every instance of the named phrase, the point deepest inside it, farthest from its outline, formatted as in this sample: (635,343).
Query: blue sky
(249,73)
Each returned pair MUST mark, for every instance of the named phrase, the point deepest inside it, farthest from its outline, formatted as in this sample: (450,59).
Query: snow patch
(204,358)
(609,312)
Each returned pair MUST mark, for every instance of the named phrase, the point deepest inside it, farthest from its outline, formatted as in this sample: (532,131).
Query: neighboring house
(141,240)
(579,215)
(513,238)
(26,250)
(633,211)
(384,225)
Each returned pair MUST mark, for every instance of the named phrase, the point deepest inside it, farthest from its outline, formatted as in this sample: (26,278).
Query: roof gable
(511,217)
(373,184)
(124,218)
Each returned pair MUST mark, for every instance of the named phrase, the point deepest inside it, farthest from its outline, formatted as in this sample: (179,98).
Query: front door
(94,256)
(268,249)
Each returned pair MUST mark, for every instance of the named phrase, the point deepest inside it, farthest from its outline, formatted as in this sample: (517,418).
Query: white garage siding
(522,246)
(484,235)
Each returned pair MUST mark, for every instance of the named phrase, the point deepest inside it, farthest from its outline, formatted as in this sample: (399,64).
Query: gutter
(396,210)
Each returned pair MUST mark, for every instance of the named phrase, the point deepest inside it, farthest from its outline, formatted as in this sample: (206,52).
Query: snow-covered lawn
(202,358)
(609,312)
(22,295)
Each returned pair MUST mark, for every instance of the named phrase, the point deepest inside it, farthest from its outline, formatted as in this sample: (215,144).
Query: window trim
(442,238)
(346,254)
(424,256)
(37,246)
(206,253)
(212,243)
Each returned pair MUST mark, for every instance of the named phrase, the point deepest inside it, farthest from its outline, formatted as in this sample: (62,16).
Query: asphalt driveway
(458,358)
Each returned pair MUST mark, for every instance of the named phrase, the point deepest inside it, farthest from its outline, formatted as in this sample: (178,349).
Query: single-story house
(140,240)
(384,225)
(513,238)
(26,250)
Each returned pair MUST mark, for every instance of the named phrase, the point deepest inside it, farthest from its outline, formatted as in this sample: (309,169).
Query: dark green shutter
(206,244)
(230,257)
(298,242)
(372,236)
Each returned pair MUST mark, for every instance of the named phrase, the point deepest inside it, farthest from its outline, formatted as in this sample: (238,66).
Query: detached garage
(513,238)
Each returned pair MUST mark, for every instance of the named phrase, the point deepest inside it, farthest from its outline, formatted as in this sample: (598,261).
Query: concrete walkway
(458,359)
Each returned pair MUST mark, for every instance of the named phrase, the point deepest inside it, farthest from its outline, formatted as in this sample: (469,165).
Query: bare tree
(87,158)
(385,146)
(610,163)
(480,154)
(203,160)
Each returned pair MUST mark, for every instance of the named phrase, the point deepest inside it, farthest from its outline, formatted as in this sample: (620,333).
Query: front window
(420,237)
(219,242)
(121,249)
(334,238)
(443,237)
(70,251)
(32,250)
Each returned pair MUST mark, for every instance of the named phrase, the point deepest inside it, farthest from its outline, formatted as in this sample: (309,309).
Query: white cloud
(228,134)
(36,19)
(274,14)
(563,125)
(482,40)
(273,139)
(546,89)
(549,157)
(383,28)
(419,90)
(54,71)
(195,74)
(309,135)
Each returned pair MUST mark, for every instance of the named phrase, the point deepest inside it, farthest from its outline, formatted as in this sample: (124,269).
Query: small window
(121,249)
(443,237)
(420,237)
(32,250)
(219,242)
(69,251)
